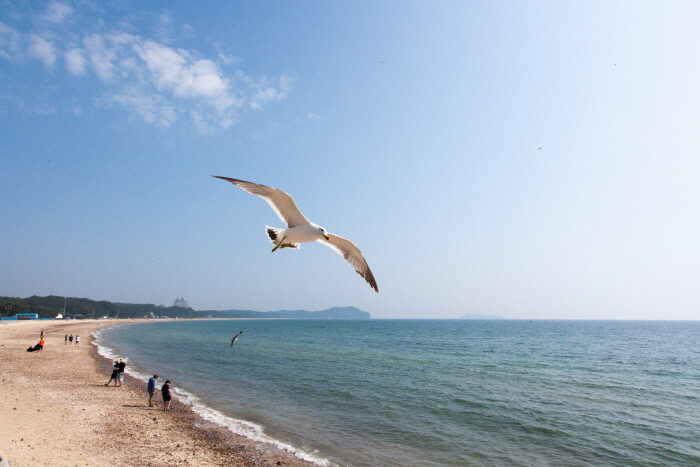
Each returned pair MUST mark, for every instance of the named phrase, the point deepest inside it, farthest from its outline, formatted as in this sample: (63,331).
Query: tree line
(84,308)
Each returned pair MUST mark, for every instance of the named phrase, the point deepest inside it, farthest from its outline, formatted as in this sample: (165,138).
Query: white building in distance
(181,303)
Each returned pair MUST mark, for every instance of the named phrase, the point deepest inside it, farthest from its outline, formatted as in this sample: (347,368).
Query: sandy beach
(55,410)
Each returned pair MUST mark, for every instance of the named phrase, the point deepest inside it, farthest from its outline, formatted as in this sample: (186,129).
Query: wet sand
(55,410)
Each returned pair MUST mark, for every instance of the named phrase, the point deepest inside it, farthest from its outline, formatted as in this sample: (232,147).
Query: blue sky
(522,159)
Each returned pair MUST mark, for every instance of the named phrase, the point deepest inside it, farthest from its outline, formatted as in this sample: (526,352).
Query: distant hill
(346,312)
(471,316)
(49,307)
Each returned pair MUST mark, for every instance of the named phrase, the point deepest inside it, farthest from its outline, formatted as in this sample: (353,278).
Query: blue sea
(437,392)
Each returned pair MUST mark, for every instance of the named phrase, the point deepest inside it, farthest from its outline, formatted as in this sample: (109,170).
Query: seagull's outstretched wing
(235,337)
(353,256)
(280,202)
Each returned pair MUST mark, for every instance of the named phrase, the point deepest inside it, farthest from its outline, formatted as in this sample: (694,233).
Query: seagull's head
(325,234)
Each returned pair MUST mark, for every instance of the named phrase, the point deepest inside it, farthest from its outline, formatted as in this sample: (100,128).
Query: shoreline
(60,412)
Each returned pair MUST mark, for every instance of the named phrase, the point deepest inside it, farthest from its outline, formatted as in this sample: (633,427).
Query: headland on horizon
(84,308)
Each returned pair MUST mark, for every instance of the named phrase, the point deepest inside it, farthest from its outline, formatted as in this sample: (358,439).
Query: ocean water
(437,392)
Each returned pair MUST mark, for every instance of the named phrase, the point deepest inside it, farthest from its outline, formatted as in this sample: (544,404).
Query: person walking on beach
(115,371)
(77,340)
(70,338)
(41,336)
(41,345)
(151,389)
(120,371)
(167,396)
(65,340)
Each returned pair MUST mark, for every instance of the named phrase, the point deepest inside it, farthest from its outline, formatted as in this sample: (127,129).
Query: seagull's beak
(326,236)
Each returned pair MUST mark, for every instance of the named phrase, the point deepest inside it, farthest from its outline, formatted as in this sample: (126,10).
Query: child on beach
(115,371)
(77,340)
(167,397)
(41,345)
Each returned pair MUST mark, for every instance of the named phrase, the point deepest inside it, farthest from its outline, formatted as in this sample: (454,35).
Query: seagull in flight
(300,230)
(233,341)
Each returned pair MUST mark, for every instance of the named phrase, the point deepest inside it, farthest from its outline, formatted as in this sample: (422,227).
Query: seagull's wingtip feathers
(367,275)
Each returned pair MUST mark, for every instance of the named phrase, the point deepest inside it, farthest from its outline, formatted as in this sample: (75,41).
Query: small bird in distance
(300,230)
(233,341)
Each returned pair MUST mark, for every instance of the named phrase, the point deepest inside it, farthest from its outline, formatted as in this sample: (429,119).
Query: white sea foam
(101,349)
(244,428)
(250,430)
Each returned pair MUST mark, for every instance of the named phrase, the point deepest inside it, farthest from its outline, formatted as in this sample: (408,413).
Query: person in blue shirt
(151,389)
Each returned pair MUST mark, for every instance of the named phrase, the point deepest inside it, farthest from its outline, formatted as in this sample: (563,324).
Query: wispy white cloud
(101,56)
(76,61)
(111,55)
(151,108)
(186,30)
(265,91)
(227,59)
(56,12)
(10,42)
(155,81)
(207,123)
(42,50)
(164,27)
(175,70)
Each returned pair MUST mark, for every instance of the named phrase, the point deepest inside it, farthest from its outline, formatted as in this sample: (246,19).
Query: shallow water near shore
(437,392)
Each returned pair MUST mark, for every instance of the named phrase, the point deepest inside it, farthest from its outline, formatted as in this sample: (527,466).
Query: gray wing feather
(353,256)
(280,202)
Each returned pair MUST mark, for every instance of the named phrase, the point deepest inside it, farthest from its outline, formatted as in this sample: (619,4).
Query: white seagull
(300,230)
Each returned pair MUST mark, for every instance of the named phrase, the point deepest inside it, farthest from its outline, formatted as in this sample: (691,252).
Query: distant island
(84,308)
(471,316)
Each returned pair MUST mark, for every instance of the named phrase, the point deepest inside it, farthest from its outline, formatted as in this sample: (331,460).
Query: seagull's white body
(300,230)
(302,233)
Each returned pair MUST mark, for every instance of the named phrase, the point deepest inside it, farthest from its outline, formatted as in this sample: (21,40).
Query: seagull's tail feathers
(277,238)
(274,234)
